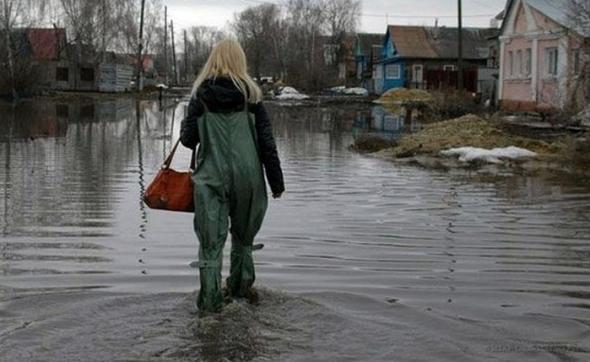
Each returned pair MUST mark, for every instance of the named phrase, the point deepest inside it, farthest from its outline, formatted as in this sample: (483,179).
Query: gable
(537,15)
(520,21)
(388,49)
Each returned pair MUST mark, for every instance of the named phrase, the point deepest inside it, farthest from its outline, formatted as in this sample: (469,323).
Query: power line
(387,15)
(425,16)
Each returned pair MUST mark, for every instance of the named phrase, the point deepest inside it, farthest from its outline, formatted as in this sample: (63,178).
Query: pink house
(540,55)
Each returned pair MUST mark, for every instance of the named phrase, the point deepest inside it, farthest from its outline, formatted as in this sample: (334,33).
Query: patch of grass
(469,130)
(400,95)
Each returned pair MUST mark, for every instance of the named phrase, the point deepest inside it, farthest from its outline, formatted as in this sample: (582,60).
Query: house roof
(439,42)
(45,44)
(366,41)
(557,10)
(411,41)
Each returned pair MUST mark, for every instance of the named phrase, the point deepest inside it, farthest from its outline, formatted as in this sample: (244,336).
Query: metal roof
(440,42)
(45,44)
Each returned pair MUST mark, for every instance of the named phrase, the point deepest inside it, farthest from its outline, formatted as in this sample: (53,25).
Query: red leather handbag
(171,190)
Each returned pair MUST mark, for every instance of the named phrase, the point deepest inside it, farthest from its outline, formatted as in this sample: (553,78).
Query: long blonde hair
(228,59)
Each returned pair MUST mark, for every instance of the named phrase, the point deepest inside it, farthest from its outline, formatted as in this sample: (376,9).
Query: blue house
(367,52)
(426,57)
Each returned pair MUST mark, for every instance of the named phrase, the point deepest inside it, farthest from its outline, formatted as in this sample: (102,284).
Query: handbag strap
(168,160)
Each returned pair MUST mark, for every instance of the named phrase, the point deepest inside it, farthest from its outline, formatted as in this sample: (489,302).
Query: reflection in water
(141,181)
(494,253)
(383,123)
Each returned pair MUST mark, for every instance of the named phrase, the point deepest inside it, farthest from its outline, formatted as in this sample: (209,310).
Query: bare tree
(128,26)
(307,23)
(254,27)
(343,18)
(201,40)
(579,19)
(303,44)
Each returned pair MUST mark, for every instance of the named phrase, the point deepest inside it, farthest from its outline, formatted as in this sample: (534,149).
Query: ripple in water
(445,266)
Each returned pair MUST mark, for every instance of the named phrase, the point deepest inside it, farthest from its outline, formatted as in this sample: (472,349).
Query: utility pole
(7,32)
(139,79)
(166,43)
(174,53)
(460,50)
(186,72)
(104,30)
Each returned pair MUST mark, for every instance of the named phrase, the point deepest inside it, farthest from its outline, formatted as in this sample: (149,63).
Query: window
(576,60)
(519,63)
(510,64)
(551,61)
(449,67)
(62,74)
(528,56)
(87,74)
(392,71)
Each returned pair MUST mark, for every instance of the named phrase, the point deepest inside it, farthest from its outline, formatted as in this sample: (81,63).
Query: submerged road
(364,260)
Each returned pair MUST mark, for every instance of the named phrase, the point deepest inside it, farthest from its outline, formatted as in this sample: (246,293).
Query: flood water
(363,259)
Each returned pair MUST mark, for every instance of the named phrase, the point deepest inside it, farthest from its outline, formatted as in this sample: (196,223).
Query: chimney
(435,32)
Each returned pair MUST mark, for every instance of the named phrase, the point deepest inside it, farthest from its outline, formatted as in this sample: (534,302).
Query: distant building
(74,67)
(367,52)
(426,57)
(540,55)
(338,56)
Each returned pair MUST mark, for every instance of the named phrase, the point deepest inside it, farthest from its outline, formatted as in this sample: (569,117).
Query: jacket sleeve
(189,131)
(268,149)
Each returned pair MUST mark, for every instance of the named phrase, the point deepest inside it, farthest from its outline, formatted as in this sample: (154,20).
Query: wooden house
(426,57)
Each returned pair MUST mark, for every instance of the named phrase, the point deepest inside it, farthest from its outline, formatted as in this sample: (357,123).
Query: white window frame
(449,67)
(551,62)
(528,62)
(396,75)
(519,63)
(510,64)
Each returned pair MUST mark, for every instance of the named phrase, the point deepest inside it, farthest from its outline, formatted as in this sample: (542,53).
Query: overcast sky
(376,13)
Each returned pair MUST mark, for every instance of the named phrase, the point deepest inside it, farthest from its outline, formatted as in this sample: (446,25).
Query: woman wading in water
(227,118)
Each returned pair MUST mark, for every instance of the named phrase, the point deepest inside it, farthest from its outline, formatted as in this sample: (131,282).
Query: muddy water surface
(364,260)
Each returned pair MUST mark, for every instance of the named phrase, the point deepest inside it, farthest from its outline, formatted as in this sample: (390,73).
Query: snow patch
(288,93)
(354,91)
(338,89)
(357,91)
(467,154)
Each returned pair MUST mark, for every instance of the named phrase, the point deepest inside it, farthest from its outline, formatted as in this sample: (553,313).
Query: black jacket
(221,95)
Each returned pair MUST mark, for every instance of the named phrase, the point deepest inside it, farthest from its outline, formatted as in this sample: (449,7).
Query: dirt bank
(569,154)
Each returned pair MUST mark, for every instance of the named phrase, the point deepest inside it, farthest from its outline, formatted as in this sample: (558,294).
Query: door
(417,75)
